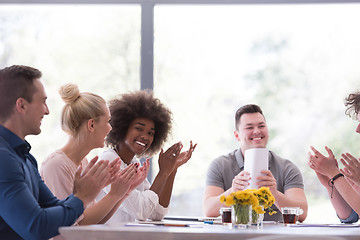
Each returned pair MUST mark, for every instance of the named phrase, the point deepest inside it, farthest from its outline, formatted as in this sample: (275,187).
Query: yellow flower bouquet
(248,204)
(266,200)
(242,203)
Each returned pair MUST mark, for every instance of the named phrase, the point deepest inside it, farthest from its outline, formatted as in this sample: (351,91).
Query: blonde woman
(85,117)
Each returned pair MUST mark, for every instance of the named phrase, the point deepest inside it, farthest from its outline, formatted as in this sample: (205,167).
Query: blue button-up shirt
(28,209)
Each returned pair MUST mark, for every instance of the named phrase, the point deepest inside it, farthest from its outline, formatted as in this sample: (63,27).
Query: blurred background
(297,61)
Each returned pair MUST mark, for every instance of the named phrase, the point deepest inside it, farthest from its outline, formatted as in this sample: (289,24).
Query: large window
(95,46)
(297,62)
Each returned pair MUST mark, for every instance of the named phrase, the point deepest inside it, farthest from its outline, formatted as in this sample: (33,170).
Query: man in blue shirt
(28,210)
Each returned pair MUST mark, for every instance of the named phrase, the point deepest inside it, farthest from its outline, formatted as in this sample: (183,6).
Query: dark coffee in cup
(225,215)
(289,218)
(291,214)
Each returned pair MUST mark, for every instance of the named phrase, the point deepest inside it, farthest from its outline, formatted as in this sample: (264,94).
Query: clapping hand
(185,156)
(114,169)
(351,183)
(351,170)
(123,181)
(167,160)
(87,184)
(140,175)
(326,166)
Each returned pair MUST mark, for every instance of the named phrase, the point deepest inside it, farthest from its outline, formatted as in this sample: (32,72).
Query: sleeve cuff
(354,217)
(75,204)
(158,213)
(152,196)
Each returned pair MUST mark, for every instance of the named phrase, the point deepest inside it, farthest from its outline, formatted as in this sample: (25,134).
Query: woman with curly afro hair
(141,125)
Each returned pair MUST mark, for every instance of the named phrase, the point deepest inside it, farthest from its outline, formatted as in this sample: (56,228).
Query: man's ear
(20,105)
(90,125)
(236,134)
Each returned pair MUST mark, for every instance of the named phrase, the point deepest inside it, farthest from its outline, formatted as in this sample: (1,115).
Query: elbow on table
(210,211)
(303,216)
(143,214)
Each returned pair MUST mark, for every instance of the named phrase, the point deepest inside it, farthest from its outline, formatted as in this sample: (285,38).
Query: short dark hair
(139,104)
(352,103)
(248,108)
(16,81)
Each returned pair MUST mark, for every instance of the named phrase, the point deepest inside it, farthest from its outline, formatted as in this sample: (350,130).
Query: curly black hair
(139,104)
(352,103)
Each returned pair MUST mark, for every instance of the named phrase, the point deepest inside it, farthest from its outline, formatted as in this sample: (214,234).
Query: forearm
(165,196)
(342,208)
(292,200)
(281,200)
(113,210)
(348,195)
(101,211)
(159,183)
(212,204)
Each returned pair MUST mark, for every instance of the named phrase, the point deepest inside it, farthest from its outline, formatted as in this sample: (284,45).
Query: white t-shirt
(141,204)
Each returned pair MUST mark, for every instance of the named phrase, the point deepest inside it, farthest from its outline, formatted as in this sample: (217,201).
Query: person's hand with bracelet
(325,167)
(332,180)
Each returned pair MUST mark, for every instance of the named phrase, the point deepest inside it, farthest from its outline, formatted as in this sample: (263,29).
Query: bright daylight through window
(210,60)
(297,61)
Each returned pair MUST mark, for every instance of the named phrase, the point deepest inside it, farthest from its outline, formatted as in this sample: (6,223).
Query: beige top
(58,173)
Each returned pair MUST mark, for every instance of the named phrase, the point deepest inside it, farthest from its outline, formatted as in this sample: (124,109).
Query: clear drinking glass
(291,214)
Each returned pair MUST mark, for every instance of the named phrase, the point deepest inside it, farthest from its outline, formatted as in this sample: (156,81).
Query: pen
(209,222)
(175,225)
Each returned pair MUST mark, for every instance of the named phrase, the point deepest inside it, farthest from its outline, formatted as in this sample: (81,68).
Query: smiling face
(252,131)
(102,127)
(140,135)
(35,110)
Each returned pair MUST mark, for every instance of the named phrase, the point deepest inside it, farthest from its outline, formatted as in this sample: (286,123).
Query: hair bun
(69,93)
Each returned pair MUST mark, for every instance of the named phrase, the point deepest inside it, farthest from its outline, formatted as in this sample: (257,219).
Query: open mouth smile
(256,138)
(141,143)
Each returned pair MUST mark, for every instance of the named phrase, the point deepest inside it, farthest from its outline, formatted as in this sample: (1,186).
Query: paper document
(339,225)
(192,219)
(255,161)
(167,223)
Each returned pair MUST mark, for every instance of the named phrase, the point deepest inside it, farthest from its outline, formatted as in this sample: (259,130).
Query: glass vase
(257,218)
(241,216)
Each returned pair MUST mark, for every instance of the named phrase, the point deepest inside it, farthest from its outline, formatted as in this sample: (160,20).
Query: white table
(208,232)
